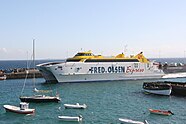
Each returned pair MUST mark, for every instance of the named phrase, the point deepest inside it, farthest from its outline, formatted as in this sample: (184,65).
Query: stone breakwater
(22,74)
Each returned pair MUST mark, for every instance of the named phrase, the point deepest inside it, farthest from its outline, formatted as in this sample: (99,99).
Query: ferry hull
(46,73)
(103,77)
(85,69)
(54,74)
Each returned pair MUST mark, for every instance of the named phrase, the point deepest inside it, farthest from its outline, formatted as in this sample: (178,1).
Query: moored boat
(23,109)
(37,98)
(178,88)
(40,98)
(122,120)
(71,118)
(174,68)
(75,106)
(3,77)
(157,88)
(161,112)
(85,67)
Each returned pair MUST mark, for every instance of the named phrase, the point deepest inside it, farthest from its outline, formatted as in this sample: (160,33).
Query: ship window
(73,60)
(60,67)
(135,65)
(79,54)
(148,65)
(111,60)
(84,54)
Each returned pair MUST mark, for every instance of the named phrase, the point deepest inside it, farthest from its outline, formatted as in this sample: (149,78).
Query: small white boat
(132,122)
(23,109)
(3,77)
(75,106)
(69,118)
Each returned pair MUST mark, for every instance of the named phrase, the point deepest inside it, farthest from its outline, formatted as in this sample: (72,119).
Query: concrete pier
(22,74)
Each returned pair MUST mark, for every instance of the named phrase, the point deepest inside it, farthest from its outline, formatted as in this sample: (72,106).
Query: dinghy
(132,122)
(75,106)
(70,118)
(23,109)
(161,112)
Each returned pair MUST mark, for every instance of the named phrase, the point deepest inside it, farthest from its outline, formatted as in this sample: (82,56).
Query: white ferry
(85,67)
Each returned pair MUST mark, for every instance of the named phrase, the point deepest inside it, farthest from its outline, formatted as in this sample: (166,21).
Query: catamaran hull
(93,72)
(102,77)
(46,73)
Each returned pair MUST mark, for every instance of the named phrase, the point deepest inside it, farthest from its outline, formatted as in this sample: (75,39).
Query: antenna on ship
(26,60)
(125,49)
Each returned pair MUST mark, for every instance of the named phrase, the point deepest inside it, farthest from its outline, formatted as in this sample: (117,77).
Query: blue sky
(63,27)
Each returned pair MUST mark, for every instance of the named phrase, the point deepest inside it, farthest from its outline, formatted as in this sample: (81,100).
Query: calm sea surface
(106,101)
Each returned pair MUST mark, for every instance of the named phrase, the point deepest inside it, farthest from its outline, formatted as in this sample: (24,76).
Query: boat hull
(47,74)
(76,106)
(159,92)
(130,121)
(3,77)
(160,112)
(17,110)
(178,88)
(102,77)
(87,67)
(68,118)
(39,99)
(157,88)
(93,72)
(179,91)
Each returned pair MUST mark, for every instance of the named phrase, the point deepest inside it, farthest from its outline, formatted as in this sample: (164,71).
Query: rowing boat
(161,112)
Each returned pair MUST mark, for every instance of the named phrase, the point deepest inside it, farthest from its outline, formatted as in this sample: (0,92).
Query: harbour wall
(22,73)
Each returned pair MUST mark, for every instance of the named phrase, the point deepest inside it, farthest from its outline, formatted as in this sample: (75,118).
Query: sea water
(106,102)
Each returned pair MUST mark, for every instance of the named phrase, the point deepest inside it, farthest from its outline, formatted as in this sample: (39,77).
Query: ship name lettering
(110,69)
(131,70)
